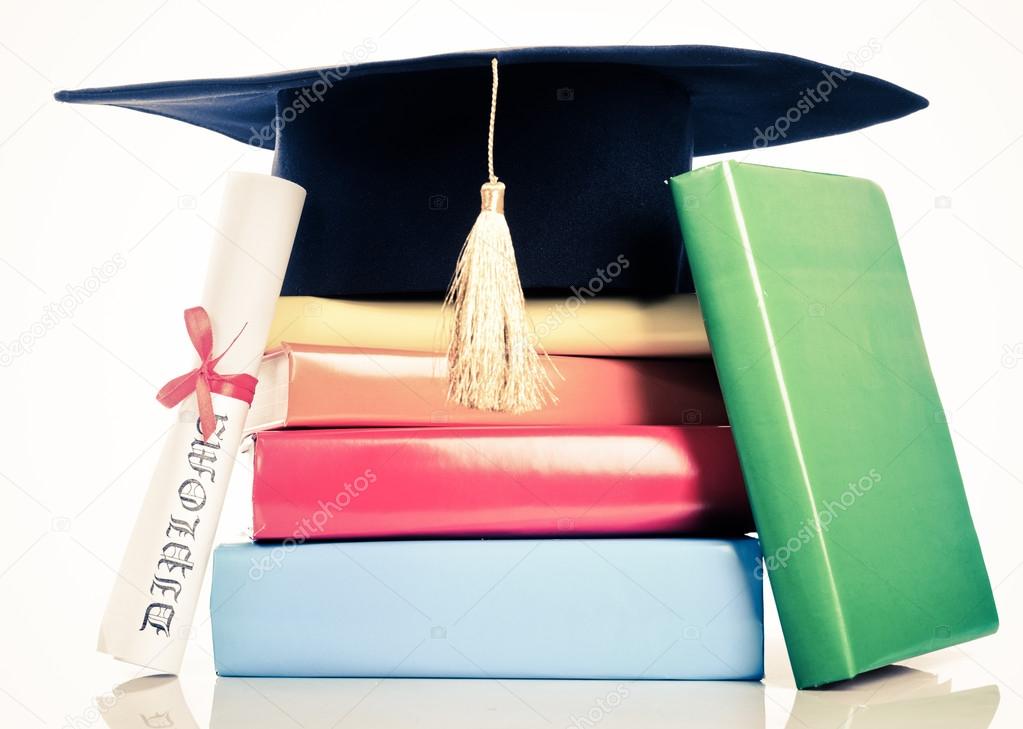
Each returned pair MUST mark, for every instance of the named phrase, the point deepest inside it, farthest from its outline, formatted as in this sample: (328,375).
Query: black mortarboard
(392,153)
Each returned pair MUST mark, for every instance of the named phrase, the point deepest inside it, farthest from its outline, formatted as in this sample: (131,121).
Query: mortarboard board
(391,153)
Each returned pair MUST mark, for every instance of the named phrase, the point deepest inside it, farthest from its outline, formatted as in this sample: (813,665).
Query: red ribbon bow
(204,379)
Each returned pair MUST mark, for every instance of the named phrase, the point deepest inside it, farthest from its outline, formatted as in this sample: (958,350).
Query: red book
(497,482)
(329,387)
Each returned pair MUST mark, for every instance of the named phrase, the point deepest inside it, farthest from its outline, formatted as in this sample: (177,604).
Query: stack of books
(399,535)
(601,535)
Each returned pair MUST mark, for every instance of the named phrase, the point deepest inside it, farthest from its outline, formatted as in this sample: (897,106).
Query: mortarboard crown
(392,153)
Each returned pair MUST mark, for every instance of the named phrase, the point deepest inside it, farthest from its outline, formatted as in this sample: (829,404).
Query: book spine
(579,325)
(344,388)
(479,482)
(726,275)
(512,608)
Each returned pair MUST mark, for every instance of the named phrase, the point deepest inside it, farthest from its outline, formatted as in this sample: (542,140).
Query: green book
(857,496)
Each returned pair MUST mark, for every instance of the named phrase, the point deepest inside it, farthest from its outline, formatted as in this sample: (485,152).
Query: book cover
(855,489)
(377,483)
(514,608)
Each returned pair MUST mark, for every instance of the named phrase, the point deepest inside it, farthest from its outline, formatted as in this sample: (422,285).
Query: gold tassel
(493,362)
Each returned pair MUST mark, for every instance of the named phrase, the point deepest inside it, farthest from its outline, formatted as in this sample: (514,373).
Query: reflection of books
(372,483)
(870,702)
(303,385)
(273,703)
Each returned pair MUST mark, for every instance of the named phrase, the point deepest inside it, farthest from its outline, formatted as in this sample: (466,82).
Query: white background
(80,186)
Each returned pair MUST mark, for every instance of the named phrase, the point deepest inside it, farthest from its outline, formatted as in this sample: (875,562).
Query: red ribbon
(204,379)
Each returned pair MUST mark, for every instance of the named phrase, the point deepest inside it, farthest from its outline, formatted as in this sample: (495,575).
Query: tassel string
(493,121)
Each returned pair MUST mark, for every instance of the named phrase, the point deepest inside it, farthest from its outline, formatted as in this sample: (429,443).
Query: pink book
(536,481)
(328,387)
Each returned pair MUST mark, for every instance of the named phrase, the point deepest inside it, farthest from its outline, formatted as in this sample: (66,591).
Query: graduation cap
(392,155)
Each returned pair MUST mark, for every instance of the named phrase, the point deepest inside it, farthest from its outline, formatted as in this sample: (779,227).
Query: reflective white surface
(896,698)
(953,690)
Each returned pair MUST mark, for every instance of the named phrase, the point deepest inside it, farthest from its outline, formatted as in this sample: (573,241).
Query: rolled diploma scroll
(149,617)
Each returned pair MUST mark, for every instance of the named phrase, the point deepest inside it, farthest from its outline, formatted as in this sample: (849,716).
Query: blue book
(524,608)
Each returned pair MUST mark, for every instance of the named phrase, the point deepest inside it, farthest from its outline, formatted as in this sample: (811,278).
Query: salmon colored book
(369,483)
(329,387)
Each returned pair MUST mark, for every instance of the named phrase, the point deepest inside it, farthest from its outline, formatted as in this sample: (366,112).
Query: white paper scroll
(149,618)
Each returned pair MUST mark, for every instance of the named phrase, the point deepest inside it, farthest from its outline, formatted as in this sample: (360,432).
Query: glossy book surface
(855,489)
(371,483)
(313,386)
(516,608)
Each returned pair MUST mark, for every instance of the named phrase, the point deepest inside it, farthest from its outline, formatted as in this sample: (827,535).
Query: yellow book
(575,325)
